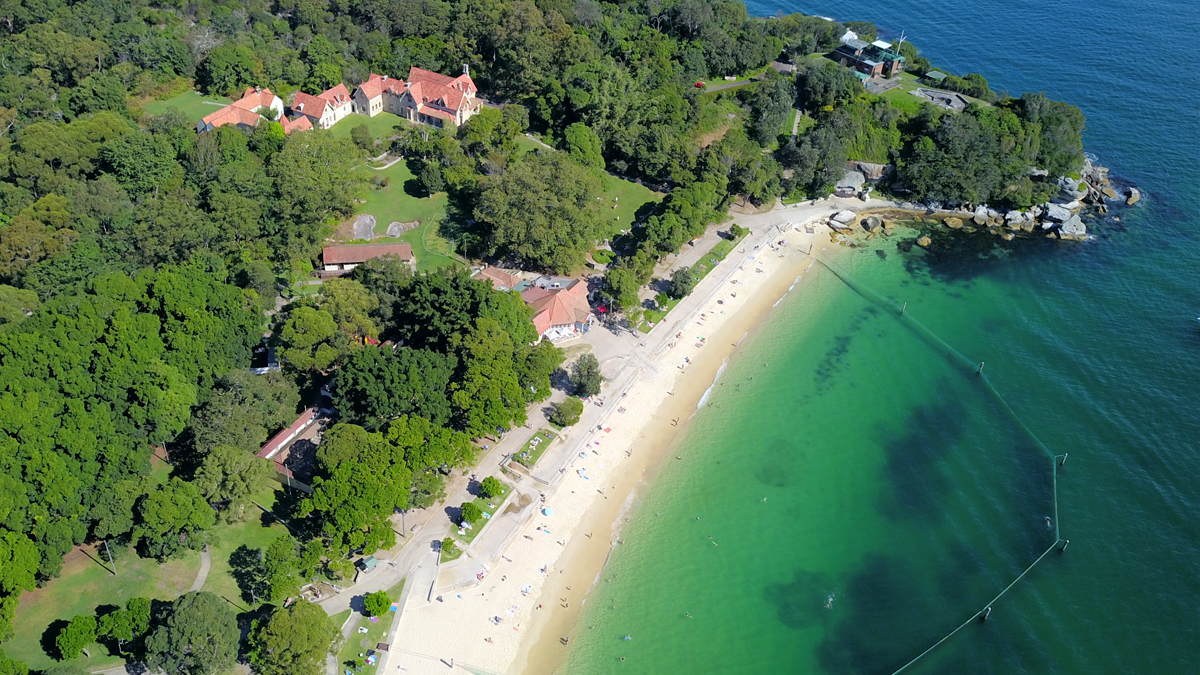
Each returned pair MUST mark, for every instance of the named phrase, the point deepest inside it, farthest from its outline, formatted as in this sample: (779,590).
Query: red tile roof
(301,123)
(557,306)
(501,279)
(336,96)
(242,111)
(373,86)
(337,255)
(307,104)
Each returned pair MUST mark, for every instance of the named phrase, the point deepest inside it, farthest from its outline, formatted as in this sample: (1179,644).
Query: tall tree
(229,475)
(173,518)
(293,641)
(198,635)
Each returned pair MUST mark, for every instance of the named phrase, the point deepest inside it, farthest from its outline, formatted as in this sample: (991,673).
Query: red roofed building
(299,123)
(559,313)
(500,279)
(244,111)
(325,109)
(339,260)
(427,97)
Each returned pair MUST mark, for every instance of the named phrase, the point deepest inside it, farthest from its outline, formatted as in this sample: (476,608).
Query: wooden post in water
(986,613)
(1064,459)
(1065,544)
(902,308)
(980,371)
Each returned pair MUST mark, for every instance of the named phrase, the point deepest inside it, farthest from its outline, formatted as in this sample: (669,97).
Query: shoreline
(542,654)
(513,619)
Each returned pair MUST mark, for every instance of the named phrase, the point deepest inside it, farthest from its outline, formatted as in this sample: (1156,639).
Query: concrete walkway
(205,566)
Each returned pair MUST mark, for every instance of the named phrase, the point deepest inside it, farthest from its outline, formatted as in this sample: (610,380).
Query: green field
(250,532)
(466,539)
(192,103)
(530,453)
(380,126)
(362,643)
(394,203)
(87,583)
(627,197)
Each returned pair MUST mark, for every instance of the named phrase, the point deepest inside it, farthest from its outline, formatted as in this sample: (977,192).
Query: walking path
(205,566)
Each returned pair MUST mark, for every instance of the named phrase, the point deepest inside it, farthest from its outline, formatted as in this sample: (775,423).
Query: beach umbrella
(547,511)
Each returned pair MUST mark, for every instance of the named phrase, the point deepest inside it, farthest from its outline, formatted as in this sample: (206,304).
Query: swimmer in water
(1048,525)
(829,601)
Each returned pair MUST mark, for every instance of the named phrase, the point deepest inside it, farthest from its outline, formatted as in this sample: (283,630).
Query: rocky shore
(1062,217)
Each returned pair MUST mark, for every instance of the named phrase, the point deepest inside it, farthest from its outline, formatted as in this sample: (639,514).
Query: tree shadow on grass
(49,647)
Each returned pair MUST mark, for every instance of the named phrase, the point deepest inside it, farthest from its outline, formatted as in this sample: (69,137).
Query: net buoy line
(938,344)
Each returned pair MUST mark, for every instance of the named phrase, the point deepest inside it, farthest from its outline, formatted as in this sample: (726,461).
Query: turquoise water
(898,490)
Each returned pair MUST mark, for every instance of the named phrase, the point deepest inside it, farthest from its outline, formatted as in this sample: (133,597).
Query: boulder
(1074,226)
(953,223)
(1007,236)
(843,217)
(874,172)
(871,223)
(1057,212)
(924,241)
(1107,191)
(1041,173)
(1134,196)
(364,227)
(853,180)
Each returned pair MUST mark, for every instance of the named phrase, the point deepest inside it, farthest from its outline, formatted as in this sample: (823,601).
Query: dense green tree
(16,304)
(469,512)
(117,625)
(542,211)
(566,412)
(431,178)
(378,384)
(76,637)
(621,287)
(243,410)
(377,603)
(584,146)
(491,487)
(350,304)
(683,280)
(309,340)
(314,182)
(197,635)
(229,475)
(361,135)
(12,666)
(585,376)
(173,518)
(293,641)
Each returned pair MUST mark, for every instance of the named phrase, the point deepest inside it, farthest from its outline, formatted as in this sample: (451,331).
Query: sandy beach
(519,616)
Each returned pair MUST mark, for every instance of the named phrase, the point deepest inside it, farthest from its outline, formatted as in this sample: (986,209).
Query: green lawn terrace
(191,103)
(533,449)
(490,507)
(363,640)
(87,582)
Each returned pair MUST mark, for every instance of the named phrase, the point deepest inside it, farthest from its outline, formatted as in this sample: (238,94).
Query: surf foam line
(955,357)
(717,378)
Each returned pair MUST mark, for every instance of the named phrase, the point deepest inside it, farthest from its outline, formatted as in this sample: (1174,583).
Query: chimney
(385,78)
(466,70)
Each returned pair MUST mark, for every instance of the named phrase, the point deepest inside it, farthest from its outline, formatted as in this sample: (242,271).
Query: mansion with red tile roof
(244,111)
(425,98)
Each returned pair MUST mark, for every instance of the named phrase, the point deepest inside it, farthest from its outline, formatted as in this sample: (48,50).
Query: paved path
(796,122)
(205,566)
(538,141)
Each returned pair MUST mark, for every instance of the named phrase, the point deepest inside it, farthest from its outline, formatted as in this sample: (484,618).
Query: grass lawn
(380,125)
(629,198)
(529,455)
(364,643)
(340,618)
(395,203)
(86,583)
(526,144)
(466,539)
(250,532)
(192,103)
(701,269)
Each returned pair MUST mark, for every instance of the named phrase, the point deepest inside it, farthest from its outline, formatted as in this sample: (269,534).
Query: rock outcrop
(871,223)
(1135,196)
(364,227)
(924,241)
(1057,212)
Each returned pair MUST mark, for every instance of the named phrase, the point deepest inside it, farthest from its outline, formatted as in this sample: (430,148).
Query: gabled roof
(232,115)
(243,110)
(501,279)
(337,255)
(300,123)
(557,306)
(435,112)
(336,96)
(253,99)
(307,104)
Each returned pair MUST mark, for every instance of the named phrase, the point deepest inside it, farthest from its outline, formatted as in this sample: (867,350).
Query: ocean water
(855,492)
